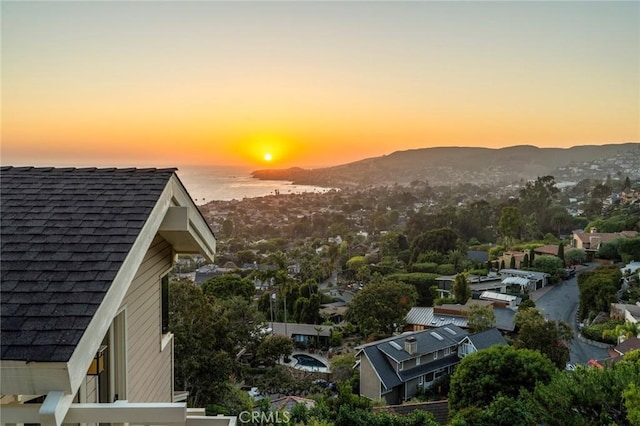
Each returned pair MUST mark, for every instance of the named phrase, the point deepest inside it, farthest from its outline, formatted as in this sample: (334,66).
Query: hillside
(453,165)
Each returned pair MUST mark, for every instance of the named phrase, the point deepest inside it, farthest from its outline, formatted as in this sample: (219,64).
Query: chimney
(411,345)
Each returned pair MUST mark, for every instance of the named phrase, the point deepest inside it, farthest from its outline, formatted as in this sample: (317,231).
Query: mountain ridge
(450,165)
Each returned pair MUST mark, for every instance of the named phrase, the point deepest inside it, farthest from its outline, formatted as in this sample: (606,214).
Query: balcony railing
(156,413)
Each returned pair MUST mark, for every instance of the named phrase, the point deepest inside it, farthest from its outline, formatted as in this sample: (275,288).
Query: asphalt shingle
(64,233)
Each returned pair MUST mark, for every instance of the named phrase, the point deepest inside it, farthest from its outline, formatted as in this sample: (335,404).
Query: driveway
(561,303)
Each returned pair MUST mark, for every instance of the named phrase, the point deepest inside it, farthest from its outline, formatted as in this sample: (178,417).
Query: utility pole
(285,315)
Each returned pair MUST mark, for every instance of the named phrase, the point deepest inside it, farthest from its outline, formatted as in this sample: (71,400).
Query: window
(421,380)
(435,355)
(418,361)
(447,351)
(164,306)
(401,365)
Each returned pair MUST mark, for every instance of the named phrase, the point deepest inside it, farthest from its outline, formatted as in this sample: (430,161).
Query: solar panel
(395,345)
(450,331)
(437,336)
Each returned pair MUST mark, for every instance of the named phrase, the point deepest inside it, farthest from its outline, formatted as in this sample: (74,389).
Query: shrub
(429,267)
(595,331)
(446,269)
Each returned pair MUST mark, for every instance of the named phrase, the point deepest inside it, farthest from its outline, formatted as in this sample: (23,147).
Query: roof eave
(33,378)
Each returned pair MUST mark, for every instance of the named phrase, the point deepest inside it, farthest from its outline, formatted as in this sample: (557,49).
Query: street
(561,303)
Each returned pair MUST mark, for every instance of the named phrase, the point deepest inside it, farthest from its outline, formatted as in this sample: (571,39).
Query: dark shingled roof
(487,338)
(64,235)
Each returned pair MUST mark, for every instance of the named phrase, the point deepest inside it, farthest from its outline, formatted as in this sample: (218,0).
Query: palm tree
(318,330)
(623,332)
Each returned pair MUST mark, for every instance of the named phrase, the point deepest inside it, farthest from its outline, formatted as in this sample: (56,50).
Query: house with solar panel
(393,369)
(85,257)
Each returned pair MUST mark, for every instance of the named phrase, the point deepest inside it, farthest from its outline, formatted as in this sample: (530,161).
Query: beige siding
(410,363)
(91,389)
(149,368)
(411,388)
(369,383)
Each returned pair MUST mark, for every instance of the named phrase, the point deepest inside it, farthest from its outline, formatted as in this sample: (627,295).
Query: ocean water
(209,183)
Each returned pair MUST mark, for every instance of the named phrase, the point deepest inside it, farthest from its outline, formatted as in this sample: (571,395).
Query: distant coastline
(225,183)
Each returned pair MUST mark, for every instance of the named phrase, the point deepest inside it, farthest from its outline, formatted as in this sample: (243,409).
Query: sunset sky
(310,83)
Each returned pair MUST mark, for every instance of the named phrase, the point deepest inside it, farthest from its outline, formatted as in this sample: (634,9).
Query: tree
(502,411)
(440,240)
(498,370)
(525,260)
(246,256)
(587,396)
(425,284)
(550,338)
(532,256)
(629,249)
(481,318)
(228,228)
(390,244)
(527,303)
(561,221)
(537,197)
(200,365)
(273,347)
(342,366)
(598,289)
(623,331)
(552,265)
(379,307)
(461,288)
(561,252)
(631,397)
(575,256)
(510,224)
(229,285)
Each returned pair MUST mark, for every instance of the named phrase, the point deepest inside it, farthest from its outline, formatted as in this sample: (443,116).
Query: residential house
(626,311)
(304,335)
(394,368)
(286,403)
(528,281)
(483,340)
(628,345)
(591,241)
(546,250)
(425,317)
(334,312)
(478,283)
(518,258)
(85,260)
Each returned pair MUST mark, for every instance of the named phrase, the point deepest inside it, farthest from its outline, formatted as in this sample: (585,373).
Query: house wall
(411,388)
(369,383)
(91,389)
(150,369)
(394,397)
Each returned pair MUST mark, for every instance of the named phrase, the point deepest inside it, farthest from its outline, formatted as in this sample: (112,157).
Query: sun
(268,156)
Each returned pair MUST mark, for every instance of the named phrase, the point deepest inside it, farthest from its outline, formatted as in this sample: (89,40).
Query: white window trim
(447,351)
(418,361)
(421,380)
(435,355)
